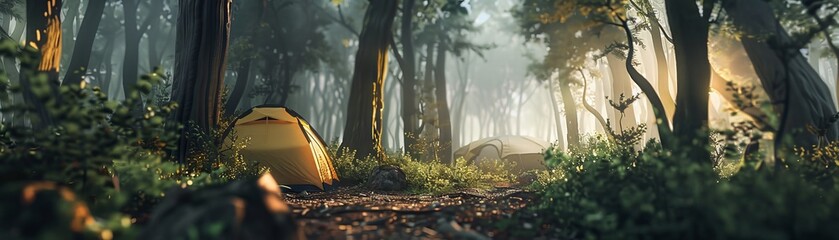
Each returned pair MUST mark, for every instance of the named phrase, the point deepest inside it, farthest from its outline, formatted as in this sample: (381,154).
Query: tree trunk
(430,126)
(84,43)
(202,39)
(131,59)
(133,35)
(243,75)
(661,61)
(789,80)
(557,116)
(571,122)
(647,89)
(69,26)
(410,113)
(693,73)
(444,120)
(43,32)
(363,131)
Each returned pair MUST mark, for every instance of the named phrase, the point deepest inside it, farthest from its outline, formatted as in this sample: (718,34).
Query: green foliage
(351,170)
(111,154)
(423,176)
(604,191)
(436,177)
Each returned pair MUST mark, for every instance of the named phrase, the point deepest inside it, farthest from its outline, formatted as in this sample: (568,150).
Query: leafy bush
(350,170)
(436,177)
(605,191)
(111,154)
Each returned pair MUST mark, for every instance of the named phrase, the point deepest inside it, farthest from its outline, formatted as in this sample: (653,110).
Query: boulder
(388,178)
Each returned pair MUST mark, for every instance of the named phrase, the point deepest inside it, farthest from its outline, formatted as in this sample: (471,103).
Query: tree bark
(444,120)
(661,61)
(202,39)
(571,121)
(693,72)
(131,59)
(133,35)
(430,129)
(557,116)
(789,80)
(363,131)
(79,63)
(410,113)
(648,89)
(43,32)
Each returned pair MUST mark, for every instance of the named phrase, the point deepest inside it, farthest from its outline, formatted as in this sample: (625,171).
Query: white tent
(523,153)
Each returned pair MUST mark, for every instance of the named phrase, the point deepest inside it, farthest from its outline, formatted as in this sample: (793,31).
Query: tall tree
(409,82)
(689,27)
(202,39)
(84,43)
(792,84)
(363,130)
(133,35)
(662,68)
(444,121)
(43,33)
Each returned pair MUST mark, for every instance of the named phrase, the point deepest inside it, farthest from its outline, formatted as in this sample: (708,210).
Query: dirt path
(358,214)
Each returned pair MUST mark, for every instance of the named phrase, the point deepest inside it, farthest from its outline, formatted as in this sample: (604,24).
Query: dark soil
(355,213)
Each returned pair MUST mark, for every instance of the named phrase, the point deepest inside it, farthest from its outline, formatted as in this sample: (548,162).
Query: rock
(388,178)
(248,209)
(526,178)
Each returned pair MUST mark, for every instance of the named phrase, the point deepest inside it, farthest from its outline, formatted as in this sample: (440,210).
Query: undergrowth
(604,191)
(423,176)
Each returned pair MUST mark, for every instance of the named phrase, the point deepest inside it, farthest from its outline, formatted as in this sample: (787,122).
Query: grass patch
(422,176)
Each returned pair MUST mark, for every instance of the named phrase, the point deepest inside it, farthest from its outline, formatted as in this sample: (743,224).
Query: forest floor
(354,213)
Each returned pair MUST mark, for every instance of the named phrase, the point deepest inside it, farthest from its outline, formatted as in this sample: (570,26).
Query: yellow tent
(519,152)
(283,141)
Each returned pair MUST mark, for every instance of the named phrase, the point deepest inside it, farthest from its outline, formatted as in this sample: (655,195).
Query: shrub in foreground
(609,192)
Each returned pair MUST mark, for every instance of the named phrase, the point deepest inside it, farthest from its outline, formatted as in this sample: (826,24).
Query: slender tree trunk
(235,97)
(444,116)
(43,32)
(557,116)
(430,129)
(84,43)
(363,131)
(801,97)
(693,72)
(69,26)
(131,59)
(661,61)
(571,120)
(133,35)
(648,89)
(410,113)
(202,39)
